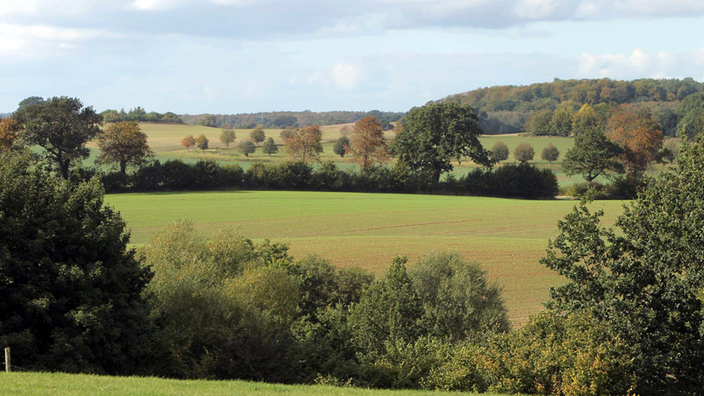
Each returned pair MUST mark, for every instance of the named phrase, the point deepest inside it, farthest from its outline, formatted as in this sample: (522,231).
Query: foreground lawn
(26,384)
(506,236)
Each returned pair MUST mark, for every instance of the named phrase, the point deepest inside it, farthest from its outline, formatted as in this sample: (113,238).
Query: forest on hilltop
(506,108)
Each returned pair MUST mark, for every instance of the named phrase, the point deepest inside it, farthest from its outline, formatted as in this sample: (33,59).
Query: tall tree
(540,123)
(188,142)
(593,155)
(691,115)
(305,144)
(645,279)
(257,135)
(436,134)
(228,135)
(70,286)
(125,144)
(368,144)
(639,134)
(9,133)
(62,127)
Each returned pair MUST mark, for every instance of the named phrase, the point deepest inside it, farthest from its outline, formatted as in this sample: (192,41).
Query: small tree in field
(125,144)
(305,143)
(368,144)
(202,142)
(247,148)
(341,146)
(269,147)
(188,142)
(228,135)
(524,152)
(257,135)
(550,153)
(499,152)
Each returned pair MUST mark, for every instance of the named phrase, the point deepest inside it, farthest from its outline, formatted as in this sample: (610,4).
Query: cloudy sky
(233,56)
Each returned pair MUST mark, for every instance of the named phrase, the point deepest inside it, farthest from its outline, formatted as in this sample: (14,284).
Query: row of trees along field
(75,297)
(138,114)
(507,109)
(290,119)
(431,139)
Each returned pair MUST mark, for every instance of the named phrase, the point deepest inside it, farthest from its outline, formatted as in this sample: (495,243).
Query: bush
(524,152)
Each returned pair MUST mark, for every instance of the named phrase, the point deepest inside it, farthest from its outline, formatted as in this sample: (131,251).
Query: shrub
(499,152)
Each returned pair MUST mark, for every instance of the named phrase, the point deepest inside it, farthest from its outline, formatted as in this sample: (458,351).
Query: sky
(243,56)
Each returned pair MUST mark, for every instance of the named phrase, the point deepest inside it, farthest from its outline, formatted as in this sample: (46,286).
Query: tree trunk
(64,166)
(436,179)
(123,167)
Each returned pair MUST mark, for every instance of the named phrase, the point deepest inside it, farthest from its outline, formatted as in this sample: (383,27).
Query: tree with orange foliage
(123,143)
(188,142)
(638,133)
(304,144)
(368,144)
(9,133)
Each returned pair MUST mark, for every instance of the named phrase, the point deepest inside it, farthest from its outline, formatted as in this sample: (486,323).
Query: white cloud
(638,64)
(21,42)
(346,77)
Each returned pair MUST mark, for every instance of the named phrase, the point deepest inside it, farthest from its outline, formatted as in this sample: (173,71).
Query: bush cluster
(522,180)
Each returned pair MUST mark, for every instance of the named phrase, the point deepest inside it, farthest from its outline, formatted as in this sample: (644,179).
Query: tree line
(75,297)
(506,109)
(289,119)
(138,114)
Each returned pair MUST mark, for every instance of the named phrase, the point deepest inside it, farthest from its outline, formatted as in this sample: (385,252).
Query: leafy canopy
(436,134)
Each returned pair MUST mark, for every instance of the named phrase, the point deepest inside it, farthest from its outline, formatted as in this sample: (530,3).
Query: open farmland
(27,384)
(507,237)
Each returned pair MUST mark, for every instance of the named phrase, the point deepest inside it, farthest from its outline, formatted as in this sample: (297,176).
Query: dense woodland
(506,109)
(138,114)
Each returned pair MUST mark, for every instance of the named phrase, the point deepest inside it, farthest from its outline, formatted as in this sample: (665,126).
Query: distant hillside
(283,119)
(505,109)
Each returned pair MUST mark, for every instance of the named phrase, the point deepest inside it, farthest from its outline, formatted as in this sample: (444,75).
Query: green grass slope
(506,236)
(44,384)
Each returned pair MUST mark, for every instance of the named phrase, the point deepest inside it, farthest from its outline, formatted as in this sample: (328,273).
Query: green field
(44,384)
(507,237)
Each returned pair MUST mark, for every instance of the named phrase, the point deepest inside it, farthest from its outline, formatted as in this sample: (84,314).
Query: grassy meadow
(45,384)
(506,236)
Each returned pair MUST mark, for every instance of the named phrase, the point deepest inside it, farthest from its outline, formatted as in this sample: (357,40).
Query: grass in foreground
(31,384)
(507,236)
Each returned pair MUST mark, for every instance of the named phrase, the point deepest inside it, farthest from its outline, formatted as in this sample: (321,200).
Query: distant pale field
(55,384)
(165,140)
(507,237)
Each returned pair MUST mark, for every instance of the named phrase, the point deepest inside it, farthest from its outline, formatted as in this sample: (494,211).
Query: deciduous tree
(125,144)
(202,142)
(639,134)
(188,142)
(593,155)
(257,135)
(341,146)
(305,143)
(228,135)
(368,144)
(9,134)
(499,152)
(524,152)
(436,134)
(550,153)
(70,286)
(62,127)
(247,147)
(270,147)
